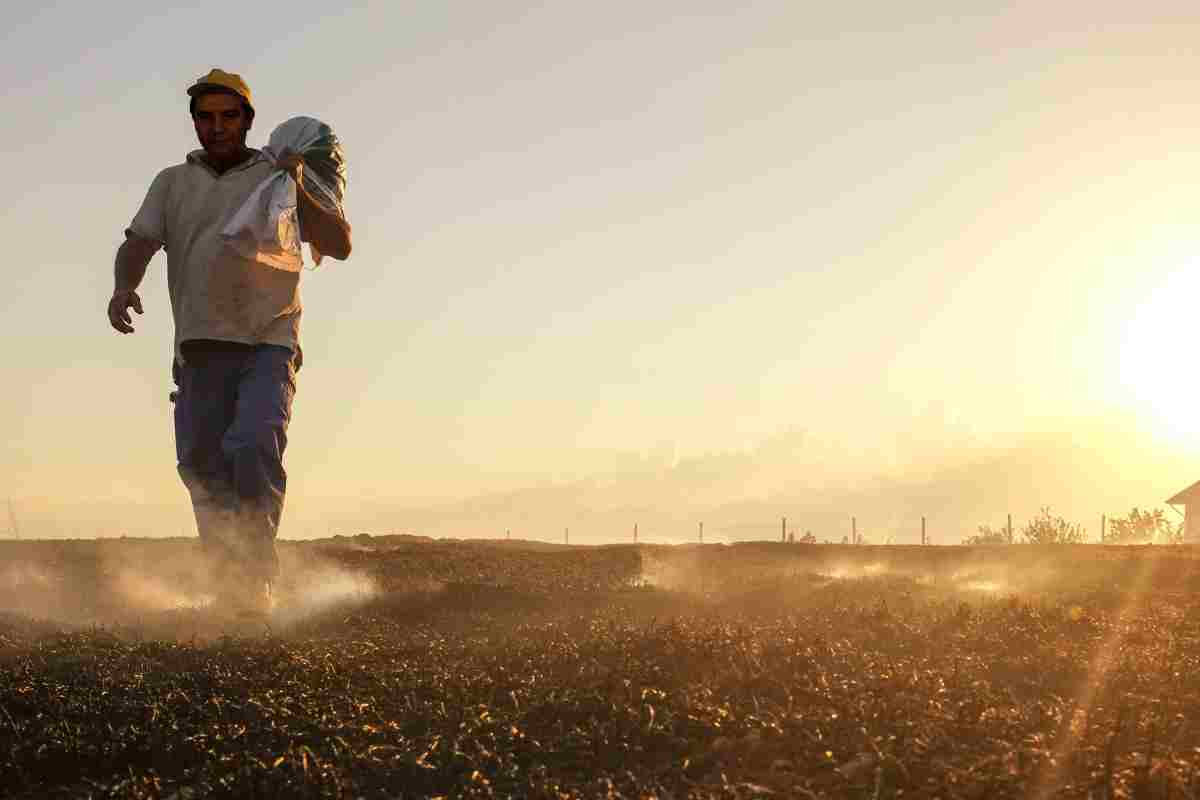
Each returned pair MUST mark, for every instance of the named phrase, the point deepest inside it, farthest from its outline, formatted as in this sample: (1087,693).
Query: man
(237,335)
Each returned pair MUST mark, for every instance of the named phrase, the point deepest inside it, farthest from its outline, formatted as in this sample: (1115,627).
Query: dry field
(397,668)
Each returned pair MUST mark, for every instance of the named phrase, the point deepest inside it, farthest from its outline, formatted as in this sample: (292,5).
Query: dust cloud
(159,587)
(721,572)
(312,586)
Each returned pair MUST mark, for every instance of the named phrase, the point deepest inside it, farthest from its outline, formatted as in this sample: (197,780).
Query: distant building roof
(1189,495)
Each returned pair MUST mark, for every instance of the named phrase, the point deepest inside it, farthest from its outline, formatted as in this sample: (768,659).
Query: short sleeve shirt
(215,292)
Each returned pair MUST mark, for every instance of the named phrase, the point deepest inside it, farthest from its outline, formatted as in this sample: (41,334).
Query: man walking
(237,335)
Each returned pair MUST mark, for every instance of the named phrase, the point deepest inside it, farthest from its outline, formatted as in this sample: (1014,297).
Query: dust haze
(956,482)
(158,587)
(956,478)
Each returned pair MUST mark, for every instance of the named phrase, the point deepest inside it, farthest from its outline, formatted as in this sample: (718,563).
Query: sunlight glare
(1154,364)
(989,587)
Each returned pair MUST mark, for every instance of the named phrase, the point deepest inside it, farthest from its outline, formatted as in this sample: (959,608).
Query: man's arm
(324,228)
(133,256)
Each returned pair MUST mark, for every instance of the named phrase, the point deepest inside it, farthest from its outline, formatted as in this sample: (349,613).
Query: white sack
(266,228)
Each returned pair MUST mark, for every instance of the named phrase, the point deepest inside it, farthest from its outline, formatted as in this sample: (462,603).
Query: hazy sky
(616,245)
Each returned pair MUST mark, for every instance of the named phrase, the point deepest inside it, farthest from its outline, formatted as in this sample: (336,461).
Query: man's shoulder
(194,163)
(168,175)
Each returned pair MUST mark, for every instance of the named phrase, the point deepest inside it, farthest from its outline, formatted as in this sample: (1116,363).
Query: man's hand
(324,229)
(292,163)
(118,309)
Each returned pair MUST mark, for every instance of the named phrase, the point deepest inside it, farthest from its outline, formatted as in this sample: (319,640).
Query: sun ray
(1103,660)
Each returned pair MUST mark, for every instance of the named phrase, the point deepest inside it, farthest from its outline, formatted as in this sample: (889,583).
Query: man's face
(221,124)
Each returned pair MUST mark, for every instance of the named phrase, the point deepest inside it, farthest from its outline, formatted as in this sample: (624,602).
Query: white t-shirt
(216,293)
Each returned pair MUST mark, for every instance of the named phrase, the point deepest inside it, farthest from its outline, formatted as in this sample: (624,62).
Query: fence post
(566,535)
(854,530)
(12,518)
(701,533)
(922,531)
(1010,535)
(1103,523)
(783,530)
(635,533)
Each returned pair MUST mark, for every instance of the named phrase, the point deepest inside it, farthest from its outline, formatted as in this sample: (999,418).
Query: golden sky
(661,260)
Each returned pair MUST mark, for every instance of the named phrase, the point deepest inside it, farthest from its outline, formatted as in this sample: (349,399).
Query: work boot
(246,597)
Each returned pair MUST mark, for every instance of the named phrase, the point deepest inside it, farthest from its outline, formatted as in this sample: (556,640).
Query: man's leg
(253,447)
(204,409)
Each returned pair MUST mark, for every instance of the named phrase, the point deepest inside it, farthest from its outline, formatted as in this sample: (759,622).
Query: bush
(1143,527)
(988,535)
(1046,529)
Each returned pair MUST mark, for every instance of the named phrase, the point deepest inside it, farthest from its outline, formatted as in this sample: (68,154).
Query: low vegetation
(1137,527)
(1143,527)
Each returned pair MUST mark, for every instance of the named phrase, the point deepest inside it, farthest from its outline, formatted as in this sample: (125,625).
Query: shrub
(1047,529)
(1143,527)
(988,535)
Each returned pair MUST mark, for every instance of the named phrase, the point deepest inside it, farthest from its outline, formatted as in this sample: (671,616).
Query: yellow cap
(226,80)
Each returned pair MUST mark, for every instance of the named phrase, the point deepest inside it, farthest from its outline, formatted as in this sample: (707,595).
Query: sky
(639,263)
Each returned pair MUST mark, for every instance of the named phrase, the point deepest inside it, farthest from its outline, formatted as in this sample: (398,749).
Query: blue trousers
(232,410)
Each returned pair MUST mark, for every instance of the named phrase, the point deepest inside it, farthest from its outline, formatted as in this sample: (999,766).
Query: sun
(1157,358)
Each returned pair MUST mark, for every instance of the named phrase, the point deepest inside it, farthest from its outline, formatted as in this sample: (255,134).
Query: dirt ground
(401,668)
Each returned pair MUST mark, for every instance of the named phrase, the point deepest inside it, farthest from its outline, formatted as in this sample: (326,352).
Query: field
(401,668)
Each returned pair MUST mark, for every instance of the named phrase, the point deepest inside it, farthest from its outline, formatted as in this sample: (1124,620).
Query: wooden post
(783,534)
(566,535)
(1103,524)
(1010,536)
(922,531)
(507,534)
(854,530)
(12,518)
(701,533)
(635,533)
